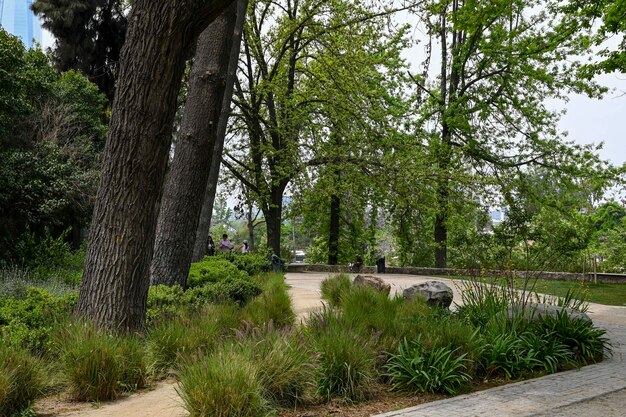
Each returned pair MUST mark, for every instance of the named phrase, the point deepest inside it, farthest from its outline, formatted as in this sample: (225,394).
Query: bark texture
(189,171)
(204,222)
(115,282)
(333,235)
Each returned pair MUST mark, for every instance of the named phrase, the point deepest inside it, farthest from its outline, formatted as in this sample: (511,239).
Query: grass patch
(21,380)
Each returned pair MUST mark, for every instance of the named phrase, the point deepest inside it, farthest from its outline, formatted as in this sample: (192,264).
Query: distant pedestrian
(225,244)
(244,248)
(210,246)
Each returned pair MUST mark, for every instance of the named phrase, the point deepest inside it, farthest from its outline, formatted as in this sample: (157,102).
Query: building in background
(18,19)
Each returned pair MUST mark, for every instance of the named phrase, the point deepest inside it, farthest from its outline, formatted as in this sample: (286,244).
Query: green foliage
(52,130)
(435,370)
(272,305)
(251,263)
(177,336)
(284,364)
(586,343)
(98,364)
(27,323)
(225,384)
(213,269)
(334,288)
(345,359)
(21,380)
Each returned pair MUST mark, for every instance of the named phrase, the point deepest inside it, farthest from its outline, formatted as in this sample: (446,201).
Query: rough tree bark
(115,284)
(333,235)
(189,171)
(204,222)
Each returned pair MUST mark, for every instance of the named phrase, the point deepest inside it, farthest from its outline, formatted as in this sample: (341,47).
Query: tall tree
(275,114)
(204,222)
(187,179)
(500,61)
(115,283)
(89,36)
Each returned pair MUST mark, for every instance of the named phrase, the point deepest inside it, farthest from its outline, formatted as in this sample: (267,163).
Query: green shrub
(252,263)
(417,369)
(272,305)
(586,342)
(213,269)
(20,380)
(28,322)
(224,384)
(98,364)
(345,359)
(334,287)
(549,353)
(481,302)
(503,355)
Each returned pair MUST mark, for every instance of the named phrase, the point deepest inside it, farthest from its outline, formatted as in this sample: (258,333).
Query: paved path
(596,390)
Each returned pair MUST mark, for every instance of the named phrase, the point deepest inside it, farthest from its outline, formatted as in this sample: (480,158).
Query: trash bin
(380,265)
(277,263)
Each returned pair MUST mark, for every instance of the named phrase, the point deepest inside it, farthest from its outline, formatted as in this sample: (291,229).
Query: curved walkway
(595,390)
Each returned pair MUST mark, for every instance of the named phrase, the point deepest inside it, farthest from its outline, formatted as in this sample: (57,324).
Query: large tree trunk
(333,235)
(204,222)
(115,284)
(186,182)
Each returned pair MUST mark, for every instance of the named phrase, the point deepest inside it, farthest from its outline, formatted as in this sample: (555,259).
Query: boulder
(536,310)
(374,282)
(436,293)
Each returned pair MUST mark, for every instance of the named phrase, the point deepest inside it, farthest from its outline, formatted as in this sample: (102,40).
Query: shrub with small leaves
(213,269)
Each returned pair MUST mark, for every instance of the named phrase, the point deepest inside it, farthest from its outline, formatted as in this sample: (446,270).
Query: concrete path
(596,390)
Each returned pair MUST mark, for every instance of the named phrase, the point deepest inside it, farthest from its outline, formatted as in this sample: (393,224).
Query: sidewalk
(595,390)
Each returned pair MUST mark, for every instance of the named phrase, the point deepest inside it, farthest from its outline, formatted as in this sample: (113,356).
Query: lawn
(608,294)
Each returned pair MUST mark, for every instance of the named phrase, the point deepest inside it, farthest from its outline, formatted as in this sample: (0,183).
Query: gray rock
(436,293)
(536,310)
(374,282)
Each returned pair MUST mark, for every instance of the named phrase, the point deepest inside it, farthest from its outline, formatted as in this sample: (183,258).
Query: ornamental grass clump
(21,380)
(175,339)
(272,305)
(345,358)
(334,288)
(284,363)
(223,384)
(415,368)
(98,364)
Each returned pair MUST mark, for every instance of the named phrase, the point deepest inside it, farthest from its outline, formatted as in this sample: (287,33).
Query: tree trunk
(188,174)
(115,284)
(250,225)
(273,219)
(204,222)
(333,235)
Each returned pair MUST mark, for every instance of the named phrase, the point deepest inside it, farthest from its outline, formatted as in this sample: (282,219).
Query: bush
(20,380)
(213,269)
(224,384)
(98,364)
(334,288)
(28,322)
(371,310)
(273,305)
(436,370)
(345,364)
(251,263)
(586,342)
